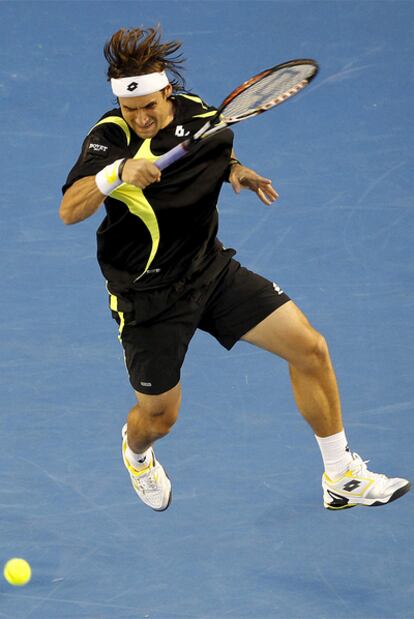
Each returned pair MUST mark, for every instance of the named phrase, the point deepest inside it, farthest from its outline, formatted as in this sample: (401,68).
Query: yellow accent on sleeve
(116,120)
(205,115)
(195,99)
(201,102)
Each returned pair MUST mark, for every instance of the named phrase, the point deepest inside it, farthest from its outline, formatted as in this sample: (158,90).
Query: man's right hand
(140,172)
(83,198)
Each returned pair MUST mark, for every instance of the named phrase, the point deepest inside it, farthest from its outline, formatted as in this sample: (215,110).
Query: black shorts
(156,326)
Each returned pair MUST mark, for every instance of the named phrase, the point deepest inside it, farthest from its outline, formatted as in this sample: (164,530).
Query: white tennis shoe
(358,486)
(151,483)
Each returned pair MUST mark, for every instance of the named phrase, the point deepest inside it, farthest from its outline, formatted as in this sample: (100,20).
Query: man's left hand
(244,178)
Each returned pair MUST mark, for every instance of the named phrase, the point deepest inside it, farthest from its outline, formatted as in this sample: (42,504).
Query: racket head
(267,89)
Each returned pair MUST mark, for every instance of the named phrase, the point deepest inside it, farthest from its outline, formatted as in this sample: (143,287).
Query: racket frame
(219,122)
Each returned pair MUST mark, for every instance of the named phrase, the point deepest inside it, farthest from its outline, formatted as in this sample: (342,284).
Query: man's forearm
(80,201)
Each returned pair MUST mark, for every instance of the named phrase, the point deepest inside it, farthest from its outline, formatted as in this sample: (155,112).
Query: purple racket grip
(172,155)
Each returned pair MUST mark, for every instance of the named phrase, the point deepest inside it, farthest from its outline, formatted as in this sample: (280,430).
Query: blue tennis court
(246,535)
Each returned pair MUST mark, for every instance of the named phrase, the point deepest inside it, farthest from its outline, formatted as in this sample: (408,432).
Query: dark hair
(140,51)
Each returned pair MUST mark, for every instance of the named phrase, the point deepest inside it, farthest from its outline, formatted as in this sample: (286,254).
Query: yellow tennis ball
(17,572)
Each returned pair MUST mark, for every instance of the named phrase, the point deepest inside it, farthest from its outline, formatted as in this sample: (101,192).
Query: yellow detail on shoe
(131,469)
(366,484)
(342,506)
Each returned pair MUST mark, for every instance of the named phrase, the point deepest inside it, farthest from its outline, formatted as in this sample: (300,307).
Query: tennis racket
(255,96)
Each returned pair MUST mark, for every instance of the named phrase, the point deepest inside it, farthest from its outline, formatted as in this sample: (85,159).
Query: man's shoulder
(112,126)
(107,140)
(116,111)
(191,105)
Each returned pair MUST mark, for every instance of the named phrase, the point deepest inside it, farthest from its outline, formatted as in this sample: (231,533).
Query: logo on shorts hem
(277,288)
(145,384)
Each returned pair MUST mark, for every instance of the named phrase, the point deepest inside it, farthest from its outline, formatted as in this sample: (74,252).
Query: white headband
(139,85)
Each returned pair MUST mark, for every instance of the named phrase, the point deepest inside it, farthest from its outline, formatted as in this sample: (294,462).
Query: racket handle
(172,155)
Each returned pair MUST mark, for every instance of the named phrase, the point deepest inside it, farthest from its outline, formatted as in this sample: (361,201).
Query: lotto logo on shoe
(277,288)
(352,485)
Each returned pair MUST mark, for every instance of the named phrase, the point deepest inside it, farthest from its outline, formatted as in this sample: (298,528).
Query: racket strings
(271,87)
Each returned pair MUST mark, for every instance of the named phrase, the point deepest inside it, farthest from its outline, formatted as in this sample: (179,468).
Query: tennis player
(168,274)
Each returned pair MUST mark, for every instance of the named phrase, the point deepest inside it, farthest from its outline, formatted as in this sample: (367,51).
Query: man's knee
(315,352)
(161,417)
(160,411)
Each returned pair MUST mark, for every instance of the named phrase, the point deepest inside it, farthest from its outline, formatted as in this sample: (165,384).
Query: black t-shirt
(156,235)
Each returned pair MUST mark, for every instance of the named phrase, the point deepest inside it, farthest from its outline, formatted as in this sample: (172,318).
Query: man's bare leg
(346,481)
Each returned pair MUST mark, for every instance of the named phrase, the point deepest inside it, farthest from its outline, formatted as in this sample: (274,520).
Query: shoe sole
(396,495)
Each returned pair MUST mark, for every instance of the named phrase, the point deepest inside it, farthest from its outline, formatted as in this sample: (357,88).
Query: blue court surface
(246,536)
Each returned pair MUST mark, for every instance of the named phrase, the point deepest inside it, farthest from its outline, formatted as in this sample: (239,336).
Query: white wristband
(108,178)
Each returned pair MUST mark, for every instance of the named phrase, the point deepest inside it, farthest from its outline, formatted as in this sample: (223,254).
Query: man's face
(149,113)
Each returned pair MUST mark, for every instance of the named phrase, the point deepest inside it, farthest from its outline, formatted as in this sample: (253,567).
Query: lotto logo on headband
(139,85)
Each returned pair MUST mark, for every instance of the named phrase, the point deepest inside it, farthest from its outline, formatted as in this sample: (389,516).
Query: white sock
(138,461)
(335,454)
